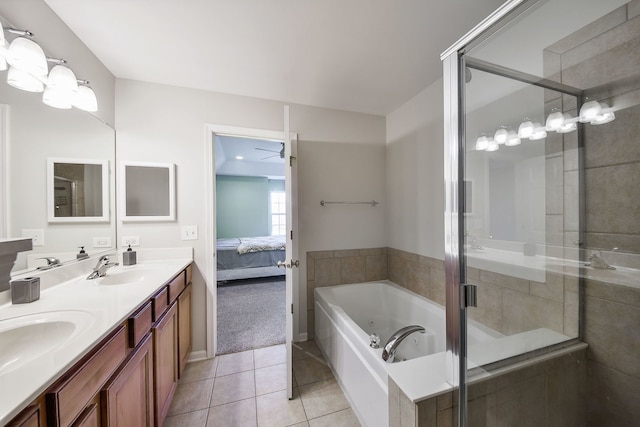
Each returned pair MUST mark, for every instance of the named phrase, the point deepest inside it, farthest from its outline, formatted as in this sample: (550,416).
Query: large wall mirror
(32,135)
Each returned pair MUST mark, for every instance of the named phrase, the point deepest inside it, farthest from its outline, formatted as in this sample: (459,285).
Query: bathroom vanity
(116,348)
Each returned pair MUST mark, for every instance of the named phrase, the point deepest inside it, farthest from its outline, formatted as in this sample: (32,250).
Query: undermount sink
(125,277)
(25,338)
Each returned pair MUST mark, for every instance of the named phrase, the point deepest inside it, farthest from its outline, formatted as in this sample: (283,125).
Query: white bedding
(263,243)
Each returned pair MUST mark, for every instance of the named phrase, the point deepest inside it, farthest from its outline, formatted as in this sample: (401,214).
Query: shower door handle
(468,295)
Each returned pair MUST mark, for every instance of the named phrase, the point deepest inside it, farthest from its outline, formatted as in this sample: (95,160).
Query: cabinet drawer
(189,272)
(66,400)
(139,324)
(160,302)
(176,285)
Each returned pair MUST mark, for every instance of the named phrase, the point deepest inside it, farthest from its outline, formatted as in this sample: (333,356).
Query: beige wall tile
(523,312)
(346,253)
(633,9)
(613,397)
(523,403)
(515,283)
(624,242)
(613,143)
(571,197)
(321,254)
(419,279)
(616,293)
(427,413)
(352,269)
(328,272)
(376,267)
(311,297)
(373,251)
(490,305)
(611,330)
(438,285)
(571,314)
(408,414)
(566,390)
(553,289)
(393,392)
(311,321)
(311,267)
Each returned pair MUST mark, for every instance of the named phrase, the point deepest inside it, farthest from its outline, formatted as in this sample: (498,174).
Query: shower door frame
(454,61)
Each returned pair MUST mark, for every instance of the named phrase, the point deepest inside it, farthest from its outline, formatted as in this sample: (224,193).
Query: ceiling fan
(278,153)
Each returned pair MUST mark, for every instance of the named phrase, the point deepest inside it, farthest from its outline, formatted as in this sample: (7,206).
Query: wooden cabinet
(30,417)
(165,361)
(127,398)
(184,328)
(89,417)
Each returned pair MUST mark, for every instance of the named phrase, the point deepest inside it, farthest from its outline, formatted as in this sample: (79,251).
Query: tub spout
(389,352)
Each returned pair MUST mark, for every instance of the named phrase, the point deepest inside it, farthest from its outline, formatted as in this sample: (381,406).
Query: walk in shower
(542,162)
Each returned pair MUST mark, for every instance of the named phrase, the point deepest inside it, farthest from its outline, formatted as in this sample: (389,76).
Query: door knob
(282,264)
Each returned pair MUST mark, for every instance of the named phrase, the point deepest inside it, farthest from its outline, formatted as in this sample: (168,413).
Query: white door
(291,261)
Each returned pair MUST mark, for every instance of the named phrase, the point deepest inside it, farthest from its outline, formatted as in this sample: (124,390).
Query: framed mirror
(147,191)
(77,190)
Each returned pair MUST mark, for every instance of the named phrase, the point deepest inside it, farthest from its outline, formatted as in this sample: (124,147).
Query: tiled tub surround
(65,289)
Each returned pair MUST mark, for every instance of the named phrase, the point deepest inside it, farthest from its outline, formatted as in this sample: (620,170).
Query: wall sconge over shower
(29,71)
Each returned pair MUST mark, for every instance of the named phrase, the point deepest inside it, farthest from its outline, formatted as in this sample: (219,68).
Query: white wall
(415,174)
(166,124)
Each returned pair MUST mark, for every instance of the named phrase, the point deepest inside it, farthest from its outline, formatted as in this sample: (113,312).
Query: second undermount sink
(134,274)
(25,338)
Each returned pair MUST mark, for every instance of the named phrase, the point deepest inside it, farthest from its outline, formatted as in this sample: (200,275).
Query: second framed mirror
(147,191)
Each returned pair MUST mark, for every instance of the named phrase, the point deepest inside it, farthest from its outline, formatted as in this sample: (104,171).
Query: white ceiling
(367,56)
(259,157)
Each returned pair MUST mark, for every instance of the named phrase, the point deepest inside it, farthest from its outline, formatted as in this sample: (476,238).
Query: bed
(249,257)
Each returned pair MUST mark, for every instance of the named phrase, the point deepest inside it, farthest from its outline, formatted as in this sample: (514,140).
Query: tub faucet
(100,270)
(596,261)
(389,352)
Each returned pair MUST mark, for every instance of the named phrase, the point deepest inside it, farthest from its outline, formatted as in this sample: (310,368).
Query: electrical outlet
(189,232)
(37,235)
(131,240)
(102,242)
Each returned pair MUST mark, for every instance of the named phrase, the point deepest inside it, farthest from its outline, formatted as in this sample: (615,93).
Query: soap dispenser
(82,254)
(129,257)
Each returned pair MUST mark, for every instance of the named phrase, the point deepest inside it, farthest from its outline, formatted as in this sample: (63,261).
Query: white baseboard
(194,356)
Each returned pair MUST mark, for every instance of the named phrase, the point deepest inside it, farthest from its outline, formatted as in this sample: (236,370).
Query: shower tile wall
(604,59)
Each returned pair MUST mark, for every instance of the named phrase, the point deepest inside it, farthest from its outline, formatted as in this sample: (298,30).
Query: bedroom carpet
(251,314)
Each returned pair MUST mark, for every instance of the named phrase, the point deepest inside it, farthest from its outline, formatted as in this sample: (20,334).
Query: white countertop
(100,307)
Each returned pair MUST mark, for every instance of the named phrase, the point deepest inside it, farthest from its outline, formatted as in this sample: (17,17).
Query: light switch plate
(37,235)
(189,232)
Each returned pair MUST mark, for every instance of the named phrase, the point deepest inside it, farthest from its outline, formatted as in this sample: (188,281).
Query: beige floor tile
(270,356)
(344,418)
(311,370)
(322,398)
(231,388)
(200,370)
(191,419)
(304,349)
(191,397)
(275,410)
(233,363)
(271,378)
(237,414)
(304,424)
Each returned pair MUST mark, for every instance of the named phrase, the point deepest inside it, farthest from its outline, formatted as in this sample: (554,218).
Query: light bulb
(538,132)
(512,139)
(525,130)
(590,111)
(554,121)
(482,143)
(501,136)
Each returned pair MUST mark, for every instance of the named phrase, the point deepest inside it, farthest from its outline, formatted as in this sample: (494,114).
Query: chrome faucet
(51,262)
(389,352)
(596,261)
(100,270)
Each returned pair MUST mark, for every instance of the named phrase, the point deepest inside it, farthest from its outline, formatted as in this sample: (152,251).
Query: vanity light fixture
(62,88)
(482,143)
(85,98)
(606,115)
(555,120)
(24,81)
(569,125)
(493,145)
(512,139)
(589,111)
(525,130)
(539,132)
(26,55)
(501,135)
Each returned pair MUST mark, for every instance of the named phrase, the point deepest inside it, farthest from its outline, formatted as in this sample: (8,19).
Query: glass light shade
(3,63)
(85,99)
(554,121)
(501,136)
(567,127)
(539,132)
(62,78)
(590,111)
(58,98)
(493,146)
(26,55)
(605,116)
(482,143)
(23,80)
(512,139)
(525,130)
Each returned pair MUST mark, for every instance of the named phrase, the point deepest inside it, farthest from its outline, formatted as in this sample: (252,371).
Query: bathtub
(345,317)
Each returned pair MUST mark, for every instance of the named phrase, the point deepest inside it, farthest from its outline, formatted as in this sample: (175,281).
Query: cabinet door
(127,399)
(30,417)
(89,417)
(165,361)
(184,328)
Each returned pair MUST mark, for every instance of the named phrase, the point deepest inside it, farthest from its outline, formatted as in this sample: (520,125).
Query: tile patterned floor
(249,389)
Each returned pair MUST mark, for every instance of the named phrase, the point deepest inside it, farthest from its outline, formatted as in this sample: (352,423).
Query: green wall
(242,204)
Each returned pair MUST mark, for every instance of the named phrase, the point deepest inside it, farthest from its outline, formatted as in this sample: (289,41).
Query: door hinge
(291,308)
(291,235)
(469,295)
(291,159)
